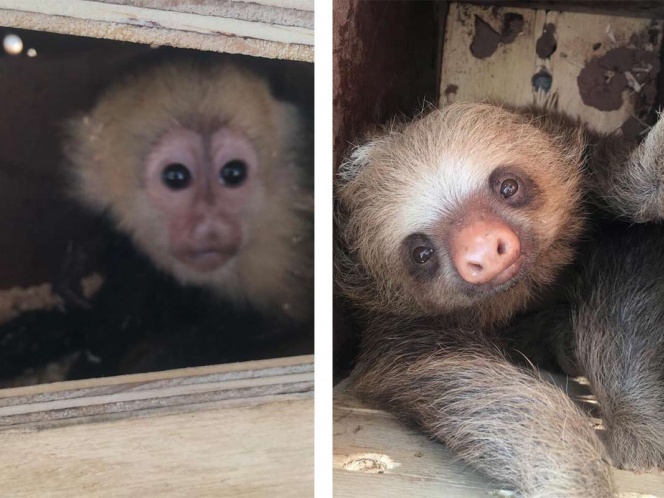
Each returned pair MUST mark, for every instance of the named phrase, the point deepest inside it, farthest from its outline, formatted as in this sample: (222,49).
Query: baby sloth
(204,179)
(477,225)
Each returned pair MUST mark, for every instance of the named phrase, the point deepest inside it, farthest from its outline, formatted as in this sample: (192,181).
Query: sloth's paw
(637,447)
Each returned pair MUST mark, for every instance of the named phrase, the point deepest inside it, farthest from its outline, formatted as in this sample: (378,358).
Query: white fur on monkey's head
(426,176)
(111,147)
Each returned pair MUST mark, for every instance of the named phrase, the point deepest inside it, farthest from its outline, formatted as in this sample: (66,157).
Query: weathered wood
(161,27)
(416,466)
(173,391)
(507,74)
(243,429)
(282,12)
(247,451)
(651,9)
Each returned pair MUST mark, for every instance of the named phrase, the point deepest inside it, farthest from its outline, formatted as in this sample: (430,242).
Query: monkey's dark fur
(155,311)
(590,288)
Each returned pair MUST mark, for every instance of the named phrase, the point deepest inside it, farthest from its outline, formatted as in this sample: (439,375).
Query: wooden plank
(175,391)
(159,27)
(282,12)
(366,438)
(651,9)
(507,73)
(247,451)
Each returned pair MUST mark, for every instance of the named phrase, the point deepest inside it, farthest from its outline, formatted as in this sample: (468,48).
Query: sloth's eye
(508,188)
(176,176)
(422,254)
(233,173)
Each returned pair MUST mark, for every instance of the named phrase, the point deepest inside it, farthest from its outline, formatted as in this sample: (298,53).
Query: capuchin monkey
(205,180)
(477,224)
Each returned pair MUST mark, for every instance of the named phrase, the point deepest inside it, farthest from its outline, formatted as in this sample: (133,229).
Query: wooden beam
(174,391)
(160,27)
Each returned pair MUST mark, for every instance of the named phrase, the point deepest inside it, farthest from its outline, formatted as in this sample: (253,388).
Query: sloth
(477,225)
(203,181)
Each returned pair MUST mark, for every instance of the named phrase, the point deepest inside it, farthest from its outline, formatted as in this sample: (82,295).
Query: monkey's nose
(486,252)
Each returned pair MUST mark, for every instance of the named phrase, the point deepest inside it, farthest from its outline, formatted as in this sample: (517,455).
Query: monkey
(202,182)
(478,222)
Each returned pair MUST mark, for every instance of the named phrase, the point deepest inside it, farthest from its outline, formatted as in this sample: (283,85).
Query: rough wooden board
(423,468)
(507,74)
(577,34)
(159,27)
(285,13)
(141,395)
(262,450)
(503,76)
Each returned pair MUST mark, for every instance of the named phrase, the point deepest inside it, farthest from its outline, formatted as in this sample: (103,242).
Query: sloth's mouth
(502,282)
(508,273)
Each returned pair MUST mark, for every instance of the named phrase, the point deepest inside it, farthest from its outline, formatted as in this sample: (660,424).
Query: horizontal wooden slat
(282,12)
(247,451)
(161,27)
(172,391)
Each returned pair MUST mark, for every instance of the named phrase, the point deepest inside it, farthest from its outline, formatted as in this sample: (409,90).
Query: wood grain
(141,395)
(161,27)
(243,429)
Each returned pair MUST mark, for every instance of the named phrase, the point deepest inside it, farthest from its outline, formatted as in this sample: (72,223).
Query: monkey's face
(203,185)
(471,205)
(201,166)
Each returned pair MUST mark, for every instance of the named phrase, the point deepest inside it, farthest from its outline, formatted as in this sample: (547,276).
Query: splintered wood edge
(159,27)
(174,391)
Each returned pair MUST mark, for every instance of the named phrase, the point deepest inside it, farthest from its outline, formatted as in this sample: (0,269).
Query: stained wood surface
(375,455)
(242,429)
(507,74)
(261,30)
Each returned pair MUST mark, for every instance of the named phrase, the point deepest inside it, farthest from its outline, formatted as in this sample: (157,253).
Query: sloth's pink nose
(486,252)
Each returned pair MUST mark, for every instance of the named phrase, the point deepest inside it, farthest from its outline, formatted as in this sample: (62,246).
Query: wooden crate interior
(241,429)
(414,54)
(71,51)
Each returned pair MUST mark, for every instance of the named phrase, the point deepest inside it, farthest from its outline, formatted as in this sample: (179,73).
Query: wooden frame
(285,30)
(243,429)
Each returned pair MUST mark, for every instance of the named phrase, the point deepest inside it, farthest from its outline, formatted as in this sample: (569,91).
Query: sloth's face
(468,205)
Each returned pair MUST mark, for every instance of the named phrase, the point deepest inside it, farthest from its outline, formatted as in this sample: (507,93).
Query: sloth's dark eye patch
(508,188)
(512,185)
(422,254)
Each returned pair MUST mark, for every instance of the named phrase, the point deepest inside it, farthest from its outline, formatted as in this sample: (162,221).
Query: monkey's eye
(233,173)
(422,254)
(508,188)
(176,176)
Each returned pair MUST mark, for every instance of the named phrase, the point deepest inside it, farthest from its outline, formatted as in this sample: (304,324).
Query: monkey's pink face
(202,185)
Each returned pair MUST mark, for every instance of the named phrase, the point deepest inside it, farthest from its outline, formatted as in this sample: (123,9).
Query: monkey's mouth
(205,259)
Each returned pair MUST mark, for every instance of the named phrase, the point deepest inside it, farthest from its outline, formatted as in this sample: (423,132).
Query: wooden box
(393,59)
(241,429)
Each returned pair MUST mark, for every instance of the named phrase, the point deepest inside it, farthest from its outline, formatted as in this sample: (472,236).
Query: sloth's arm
(628,181)
(501,418)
